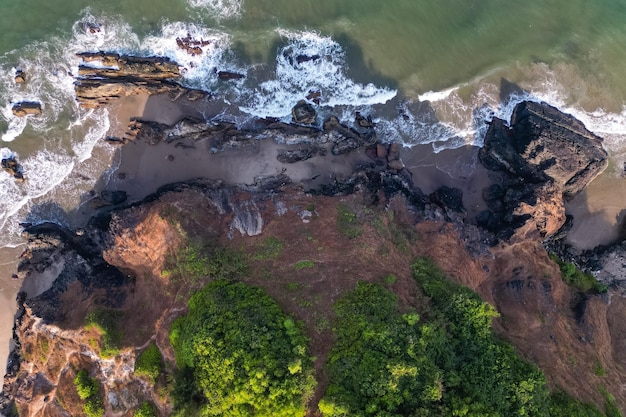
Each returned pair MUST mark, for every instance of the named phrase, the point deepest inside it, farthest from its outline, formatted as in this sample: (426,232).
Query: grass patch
(149,363)
(270,248)
(347,222)
(89,390)
(598,369)
(390,279)
(197,261)
(105,322)
(305,263)
(576,278)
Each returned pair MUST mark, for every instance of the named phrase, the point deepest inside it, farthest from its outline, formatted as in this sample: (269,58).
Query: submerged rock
(303,113)
(13,167)
(20,76)
(26,108)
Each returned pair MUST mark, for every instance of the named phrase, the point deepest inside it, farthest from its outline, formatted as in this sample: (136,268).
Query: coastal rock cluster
(118,263)
(543,157)
(107,76)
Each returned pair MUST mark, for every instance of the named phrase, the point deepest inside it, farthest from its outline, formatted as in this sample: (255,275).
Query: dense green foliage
(577,278)
(347,222)
(240,355)
(386,363)
(196,261)
(146,410)
(106,323)
(149,362)
(88,389)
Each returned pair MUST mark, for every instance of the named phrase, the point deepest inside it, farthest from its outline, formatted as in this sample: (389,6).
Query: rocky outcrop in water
(544,156)
(117,76)
(13,167)
(26,108)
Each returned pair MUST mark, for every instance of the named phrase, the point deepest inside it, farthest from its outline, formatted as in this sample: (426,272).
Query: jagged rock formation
(13,167)
(544,156)
(26,108)
(123,75)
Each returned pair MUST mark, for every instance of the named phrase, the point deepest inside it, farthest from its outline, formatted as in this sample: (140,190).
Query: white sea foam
(199,69)
(220,9)
(309,63)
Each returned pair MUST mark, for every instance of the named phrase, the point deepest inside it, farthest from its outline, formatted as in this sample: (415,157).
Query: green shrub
(146,409)
(270,248)
(197,261)
(304,264)
(577,278)
(239,354)
(105,321)
(89,390)
(149,362)
(390,364)
(347,222)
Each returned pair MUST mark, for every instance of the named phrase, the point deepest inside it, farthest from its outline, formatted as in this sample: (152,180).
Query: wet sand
(599,211)
(8,290)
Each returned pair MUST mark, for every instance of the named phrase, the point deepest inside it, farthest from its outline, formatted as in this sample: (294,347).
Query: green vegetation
(105,321)
(577,278)
(146,409)
(386,363)
(306,263)
(197,261)
(239,355)
(270,248)
(347,222)
(149,362)
(89,390)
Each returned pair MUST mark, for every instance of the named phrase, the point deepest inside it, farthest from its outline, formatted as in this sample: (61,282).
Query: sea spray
(310,64)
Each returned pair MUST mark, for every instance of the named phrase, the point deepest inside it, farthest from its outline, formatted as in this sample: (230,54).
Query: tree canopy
(241,354)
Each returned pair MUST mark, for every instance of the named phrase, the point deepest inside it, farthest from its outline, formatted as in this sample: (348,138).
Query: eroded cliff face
(124,261)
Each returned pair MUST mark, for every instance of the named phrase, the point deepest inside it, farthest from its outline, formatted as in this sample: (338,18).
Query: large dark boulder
(544,156)
(543,143)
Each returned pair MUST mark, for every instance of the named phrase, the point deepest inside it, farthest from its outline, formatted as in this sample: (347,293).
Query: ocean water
(427,72)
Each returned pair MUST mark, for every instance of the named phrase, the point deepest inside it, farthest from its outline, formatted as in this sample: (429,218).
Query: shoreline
(141,169)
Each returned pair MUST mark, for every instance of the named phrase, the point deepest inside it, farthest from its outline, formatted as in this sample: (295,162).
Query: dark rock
(493,192)
(228,75)
(13,167)
(393,153)
(191,45)
(114,140)
(288,156)
(381,151)
(365,122)
(451,198)
(306,58)
(545,156)
(108,198)
(303,113)
(396,164)
(314,96)
(20,76)
(26,108)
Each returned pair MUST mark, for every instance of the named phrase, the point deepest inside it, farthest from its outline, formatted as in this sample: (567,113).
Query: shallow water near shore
(429,74)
